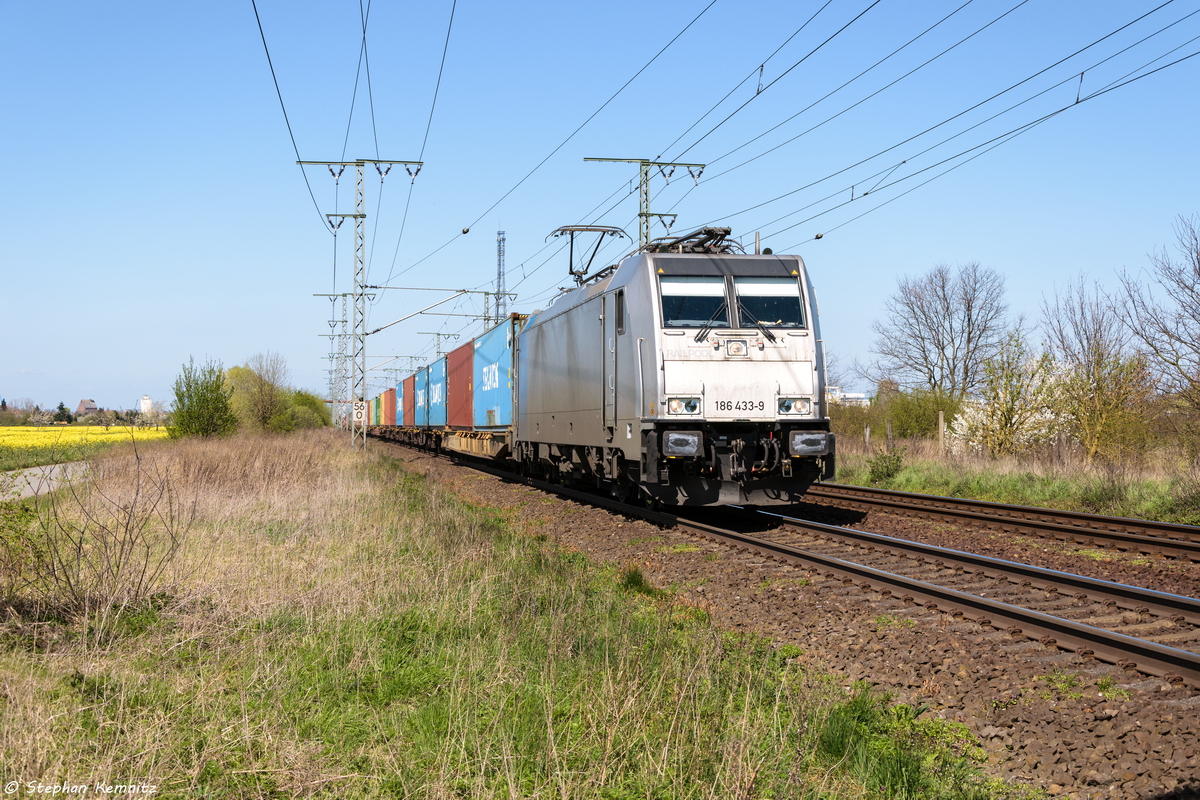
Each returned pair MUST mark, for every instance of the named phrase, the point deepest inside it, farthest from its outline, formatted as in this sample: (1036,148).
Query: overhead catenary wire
(428,125)
(595,219)
(887,171)
(856,77)
(288,122)
(780,77)
(757,69)
(882,174)
(947,120)
(994,142)
(902,47)
(564,142)
(761,89)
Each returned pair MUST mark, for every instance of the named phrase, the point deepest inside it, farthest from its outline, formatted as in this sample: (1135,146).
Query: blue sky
(152,210)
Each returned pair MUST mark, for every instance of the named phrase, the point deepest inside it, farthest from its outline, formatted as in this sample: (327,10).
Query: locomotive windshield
(771,302)
(694,301)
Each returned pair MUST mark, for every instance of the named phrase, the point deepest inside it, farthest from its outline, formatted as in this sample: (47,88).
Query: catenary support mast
(358,340)
(644,212)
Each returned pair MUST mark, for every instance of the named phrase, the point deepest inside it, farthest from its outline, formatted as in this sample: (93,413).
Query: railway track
(1163,539)
(1152,632)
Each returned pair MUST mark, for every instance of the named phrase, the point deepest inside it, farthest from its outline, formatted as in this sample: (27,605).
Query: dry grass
(325,623)
(1160,484)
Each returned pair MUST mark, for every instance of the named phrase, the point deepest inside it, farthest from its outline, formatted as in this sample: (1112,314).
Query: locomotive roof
(723,264)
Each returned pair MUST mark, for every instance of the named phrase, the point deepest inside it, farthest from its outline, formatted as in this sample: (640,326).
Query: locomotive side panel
(561,386)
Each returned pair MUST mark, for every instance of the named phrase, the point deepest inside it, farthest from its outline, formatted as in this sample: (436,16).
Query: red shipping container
(410,390)
(460,371)
(389,407)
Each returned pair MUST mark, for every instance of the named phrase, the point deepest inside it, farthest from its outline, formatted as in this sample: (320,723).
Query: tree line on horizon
(1115,373)
(25,411)
(254,397)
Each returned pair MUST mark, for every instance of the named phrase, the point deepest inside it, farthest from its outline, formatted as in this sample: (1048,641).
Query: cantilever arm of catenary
(422,311)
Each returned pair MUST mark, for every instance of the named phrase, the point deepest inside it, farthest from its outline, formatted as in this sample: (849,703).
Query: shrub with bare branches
(1164,317)
(1104,388)
(940,328)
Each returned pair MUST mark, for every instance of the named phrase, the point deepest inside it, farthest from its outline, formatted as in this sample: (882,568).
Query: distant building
(848,398)
(86,407)
(146,405)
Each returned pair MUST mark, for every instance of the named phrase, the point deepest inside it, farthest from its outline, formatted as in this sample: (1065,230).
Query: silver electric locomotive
(688,374)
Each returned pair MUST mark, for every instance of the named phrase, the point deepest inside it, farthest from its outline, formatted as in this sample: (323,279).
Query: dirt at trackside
(1072,726)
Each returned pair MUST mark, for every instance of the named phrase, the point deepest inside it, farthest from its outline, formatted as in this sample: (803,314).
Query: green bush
(318,414)
(202,403)
(885,466)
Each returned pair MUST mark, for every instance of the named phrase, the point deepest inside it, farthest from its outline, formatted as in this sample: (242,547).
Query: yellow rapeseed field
(19,437)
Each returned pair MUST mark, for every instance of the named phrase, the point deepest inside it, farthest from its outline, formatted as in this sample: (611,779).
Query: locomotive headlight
(683,405)
(683,443)
(735,347)
(795,405)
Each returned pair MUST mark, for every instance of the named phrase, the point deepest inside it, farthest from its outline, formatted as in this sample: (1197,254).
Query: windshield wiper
(744,313)
(708,326)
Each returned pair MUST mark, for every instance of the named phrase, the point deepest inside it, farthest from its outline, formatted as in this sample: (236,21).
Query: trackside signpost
(359,416)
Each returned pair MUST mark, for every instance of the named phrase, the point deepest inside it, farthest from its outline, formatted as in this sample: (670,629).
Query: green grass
(23,458)
(1170,500)
(375,637)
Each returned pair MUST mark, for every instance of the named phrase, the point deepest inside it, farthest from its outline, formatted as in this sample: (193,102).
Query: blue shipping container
(493,376)
(437,393)
(421,398)
(400,404)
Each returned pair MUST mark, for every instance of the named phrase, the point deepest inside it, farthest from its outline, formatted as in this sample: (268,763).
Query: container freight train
(688,374)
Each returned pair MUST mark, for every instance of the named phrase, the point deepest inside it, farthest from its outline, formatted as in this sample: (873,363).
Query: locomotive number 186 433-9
(741,405)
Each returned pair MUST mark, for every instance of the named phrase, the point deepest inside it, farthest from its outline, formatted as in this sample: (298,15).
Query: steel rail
(1127,652)
(1169,663)
(1177,541)
(1135,598)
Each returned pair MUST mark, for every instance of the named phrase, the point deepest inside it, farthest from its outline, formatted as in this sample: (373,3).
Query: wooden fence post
(941,433)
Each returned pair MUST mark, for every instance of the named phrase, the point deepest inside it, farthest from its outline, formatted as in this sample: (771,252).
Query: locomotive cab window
(771,302)
(620,311)
(693,301)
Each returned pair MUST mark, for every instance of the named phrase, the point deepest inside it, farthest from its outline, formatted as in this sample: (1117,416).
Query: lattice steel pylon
(358,337)
(339,370)
(501,299)
(343,369)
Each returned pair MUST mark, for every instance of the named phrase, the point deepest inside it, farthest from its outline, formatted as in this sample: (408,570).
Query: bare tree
(940,328)
(260,389)
(1104,386)
(157,414)
(1166,319)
